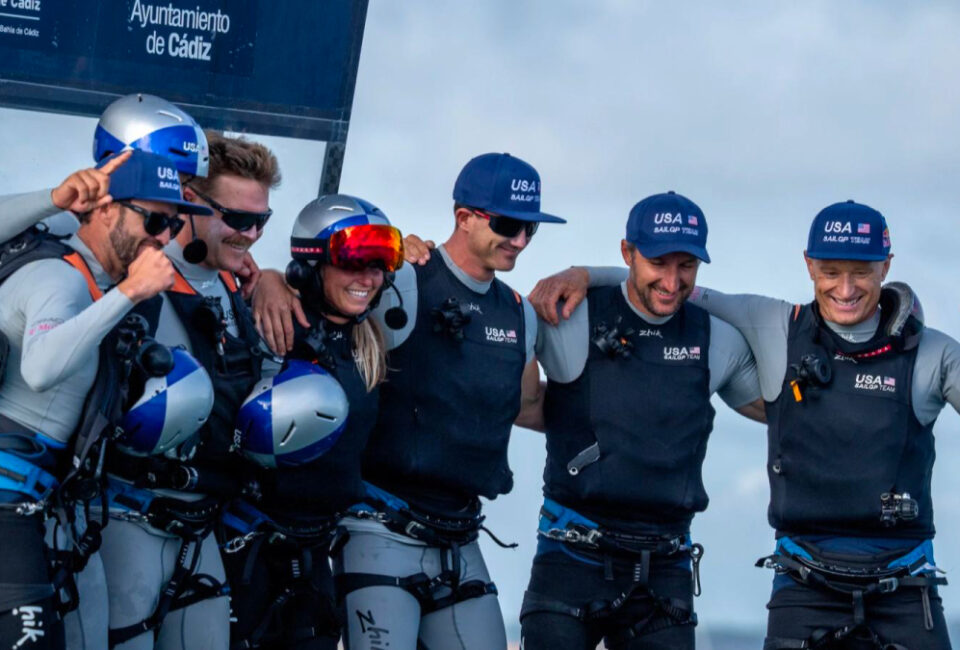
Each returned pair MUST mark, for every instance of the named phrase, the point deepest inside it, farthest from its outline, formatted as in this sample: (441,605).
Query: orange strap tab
(796,314)
(229,280)
(76,261)
(180,284)
(797,395)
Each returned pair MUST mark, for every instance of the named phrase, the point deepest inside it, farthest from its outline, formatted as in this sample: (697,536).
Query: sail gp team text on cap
(849,231)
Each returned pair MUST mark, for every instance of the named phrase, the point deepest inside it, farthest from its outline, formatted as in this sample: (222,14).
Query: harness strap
(826,639)
(175,595)
(420,586)
(804,568)
(666,612)
(297,568)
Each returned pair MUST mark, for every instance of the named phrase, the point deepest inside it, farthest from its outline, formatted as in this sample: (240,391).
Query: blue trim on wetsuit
(376,494)
(21,476)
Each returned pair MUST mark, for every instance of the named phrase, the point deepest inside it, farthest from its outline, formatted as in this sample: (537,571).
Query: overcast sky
(762,113)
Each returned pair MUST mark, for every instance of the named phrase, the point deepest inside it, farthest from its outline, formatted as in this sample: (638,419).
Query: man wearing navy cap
(853,383)
(461,370)
(627,416)
(55,309)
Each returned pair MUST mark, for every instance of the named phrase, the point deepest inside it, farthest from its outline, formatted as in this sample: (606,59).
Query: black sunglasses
(156,222)
(239,220)
(507,226)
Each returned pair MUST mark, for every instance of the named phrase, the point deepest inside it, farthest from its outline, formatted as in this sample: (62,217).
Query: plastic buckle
(888,585)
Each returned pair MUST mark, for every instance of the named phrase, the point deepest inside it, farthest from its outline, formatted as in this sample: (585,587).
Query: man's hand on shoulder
(569,285)
(416,250)
(275,305)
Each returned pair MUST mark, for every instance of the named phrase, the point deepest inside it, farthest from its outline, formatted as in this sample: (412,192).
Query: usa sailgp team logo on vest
(880,383)
(500,335)
(691,353)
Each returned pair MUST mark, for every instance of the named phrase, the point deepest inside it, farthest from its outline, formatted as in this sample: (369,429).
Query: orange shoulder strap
(229,280)
(180,284)
(76,261)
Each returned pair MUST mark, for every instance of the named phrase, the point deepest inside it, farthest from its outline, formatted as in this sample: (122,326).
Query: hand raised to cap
(569,285)
(84,190)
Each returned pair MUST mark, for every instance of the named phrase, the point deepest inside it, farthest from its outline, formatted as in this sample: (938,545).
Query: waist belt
(397,515)
(563,524)
(186,519)
(243,522)
(858,576)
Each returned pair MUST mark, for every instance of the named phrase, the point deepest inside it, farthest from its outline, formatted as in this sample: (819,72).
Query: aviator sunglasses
(155,223)
(507,226)
(239,220)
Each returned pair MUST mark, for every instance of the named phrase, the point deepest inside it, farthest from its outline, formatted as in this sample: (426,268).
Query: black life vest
(331,483)
(234,364)
(835,448)
(648,414)
(448,405)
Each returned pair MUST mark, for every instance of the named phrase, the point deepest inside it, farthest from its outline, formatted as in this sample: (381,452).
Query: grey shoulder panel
(733,370)
(405,282)
(607,276)
(936,375)
(530,326)
(562,350)
(763,322)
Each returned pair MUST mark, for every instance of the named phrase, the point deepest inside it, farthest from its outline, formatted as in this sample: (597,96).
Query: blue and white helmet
(292,418)
(171,409)
(149,123)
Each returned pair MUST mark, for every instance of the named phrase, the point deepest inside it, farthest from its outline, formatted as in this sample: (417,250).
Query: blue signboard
(277,67)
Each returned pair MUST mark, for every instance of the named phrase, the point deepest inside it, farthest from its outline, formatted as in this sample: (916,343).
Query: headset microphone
(196,251)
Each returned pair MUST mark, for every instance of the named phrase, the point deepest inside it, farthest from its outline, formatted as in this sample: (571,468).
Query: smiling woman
(342,249)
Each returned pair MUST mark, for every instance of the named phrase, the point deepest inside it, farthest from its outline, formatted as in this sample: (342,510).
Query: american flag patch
(695,349)
(692,220)
(511,334)
(863,228)
(889,381)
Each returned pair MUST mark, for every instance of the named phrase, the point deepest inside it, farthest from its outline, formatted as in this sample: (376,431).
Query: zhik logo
(30,620)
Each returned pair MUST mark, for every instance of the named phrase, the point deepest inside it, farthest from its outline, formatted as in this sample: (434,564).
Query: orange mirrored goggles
(355,248)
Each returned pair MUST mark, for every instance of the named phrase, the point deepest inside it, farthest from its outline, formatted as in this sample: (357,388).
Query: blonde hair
(369,353)
(238,157)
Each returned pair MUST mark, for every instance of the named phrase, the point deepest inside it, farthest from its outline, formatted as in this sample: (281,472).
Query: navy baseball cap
(849,231)
(150,177)
(502,184)
(668,223)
